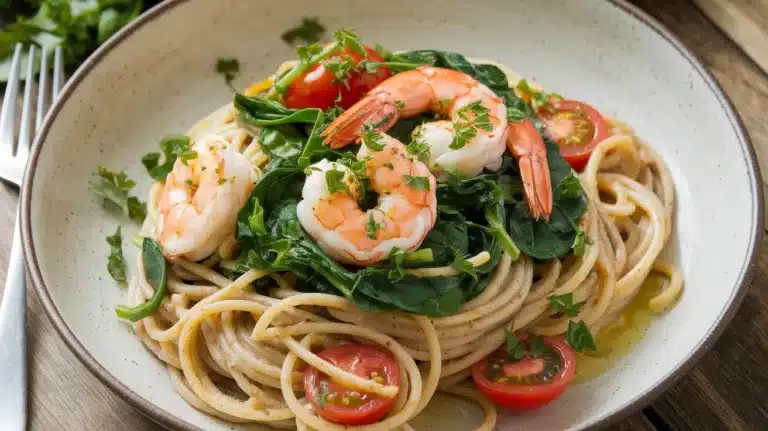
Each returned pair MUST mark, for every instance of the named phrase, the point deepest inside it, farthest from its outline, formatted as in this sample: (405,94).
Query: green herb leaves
(371,138)
(156,273)
(348,39)
(309,31)
(472,117)
(173,147)
(113,188)
(537,346)
(417,183)
(564,304)
(371,227)
(514,347)
(579,337)
(228,68)
(116,263)
(336,183)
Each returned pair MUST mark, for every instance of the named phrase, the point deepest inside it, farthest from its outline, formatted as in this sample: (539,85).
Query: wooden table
(728,390)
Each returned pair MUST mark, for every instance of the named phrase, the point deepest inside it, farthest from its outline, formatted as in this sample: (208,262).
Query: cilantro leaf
(173,147)
(309,31)
(113,188)
(417,183)
(228,68)
(579,337)
(564,304)
(514,347)
(116,262)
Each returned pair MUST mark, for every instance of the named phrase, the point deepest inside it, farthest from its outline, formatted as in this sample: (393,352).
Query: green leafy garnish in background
(116,262)
(114,188)
(309,31)
(78,26)
(228,68)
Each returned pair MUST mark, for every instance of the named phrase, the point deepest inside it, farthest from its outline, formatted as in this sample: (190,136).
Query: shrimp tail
(376,108)
(531,153)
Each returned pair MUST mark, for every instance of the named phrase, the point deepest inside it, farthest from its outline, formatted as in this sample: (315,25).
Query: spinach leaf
(156,272)
(283,142)
(542,240)
(261,111)
(487,74)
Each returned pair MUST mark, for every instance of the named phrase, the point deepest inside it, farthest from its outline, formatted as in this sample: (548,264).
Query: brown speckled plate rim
(168,420)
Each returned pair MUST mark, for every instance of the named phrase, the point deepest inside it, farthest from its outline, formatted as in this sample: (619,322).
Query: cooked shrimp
(525,143)
(406,210)
(200,201)
(474,138)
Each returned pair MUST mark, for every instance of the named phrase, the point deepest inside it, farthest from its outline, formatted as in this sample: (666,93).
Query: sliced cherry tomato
(342,405)
(319,87)
(530,382)
(576,127)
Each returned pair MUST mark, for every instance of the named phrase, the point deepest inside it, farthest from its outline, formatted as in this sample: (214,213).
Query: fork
(13,338)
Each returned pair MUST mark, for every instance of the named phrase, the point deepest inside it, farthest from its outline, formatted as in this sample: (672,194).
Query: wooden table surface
(727,390)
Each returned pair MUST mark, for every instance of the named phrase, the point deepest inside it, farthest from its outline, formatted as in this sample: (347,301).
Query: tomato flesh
(576,127)
(318,87)
(336,403)
(529,383)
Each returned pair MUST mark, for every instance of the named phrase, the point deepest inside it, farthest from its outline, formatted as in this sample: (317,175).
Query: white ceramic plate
(157,76)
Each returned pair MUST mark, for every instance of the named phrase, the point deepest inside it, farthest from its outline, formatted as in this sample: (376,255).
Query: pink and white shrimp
(200,200)
(406,210)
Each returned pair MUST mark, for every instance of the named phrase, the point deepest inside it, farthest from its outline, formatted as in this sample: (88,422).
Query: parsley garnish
(348,39)
(335,181)
(537,347)
(417,183)
(113,188)
(515,115)
(341,67)
(400,104)
(173,147)
(371,138)
(309,31)
(579,337)
(389,165)
(564,304)
(515,348)
(372,228)
(116,263)
(570,186)
(537,99)
(421,150)
(466,128)
(228,68)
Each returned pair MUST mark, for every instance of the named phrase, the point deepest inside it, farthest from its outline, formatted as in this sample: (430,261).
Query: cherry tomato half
(342,405)
(576,127)
(530,382)
(319,87)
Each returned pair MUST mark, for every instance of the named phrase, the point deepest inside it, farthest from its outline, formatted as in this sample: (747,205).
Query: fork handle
(13,341)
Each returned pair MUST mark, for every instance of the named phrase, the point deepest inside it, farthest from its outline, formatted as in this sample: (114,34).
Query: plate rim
(171,421)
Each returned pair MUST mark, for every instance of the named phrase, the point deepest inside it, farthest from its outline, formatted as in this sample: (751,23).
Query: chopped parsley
(341,67)
(564,304)
(228,68)
(417,183)
(579,337)
(466,127)
(335,181)
(538,99)
(348,39)
(400,104)
(309,31)
(114,188)
(372,228)
(420,149)
(514,347)
(371,138)
(389,165)
(173,147)
(116,262)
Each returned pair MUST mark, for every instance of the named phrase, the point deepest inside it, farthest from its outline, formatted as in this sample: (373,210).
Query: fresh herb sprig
(114,188)
(116,262)
(173,147)
(309,31)
(467,126)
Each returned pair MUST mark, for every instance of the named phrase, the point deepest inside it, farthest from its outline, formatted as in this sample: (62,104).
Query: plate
(157,76)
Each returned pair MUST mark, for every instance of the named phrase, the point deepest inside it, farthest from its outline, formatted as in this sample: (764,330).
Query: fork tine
(58,72)
(41,88)
(22,149)
(8,112)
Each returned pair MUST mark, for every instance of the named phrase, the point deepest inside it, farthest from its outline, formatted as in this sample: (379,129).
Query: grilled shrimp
(474,139)
(406,210)
(200,200)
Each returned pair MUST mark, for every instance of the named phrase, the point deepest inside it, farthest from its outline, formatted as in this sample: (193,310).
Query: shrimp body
(199,203)
(445,92)
(406,210)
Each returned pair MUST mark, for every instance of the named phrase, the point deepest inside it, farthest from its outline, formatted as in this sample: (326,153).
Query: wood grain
(726,391)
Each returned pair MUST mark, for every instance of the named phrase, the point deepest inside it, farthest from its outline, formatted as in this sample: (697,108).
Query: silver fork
(13,309)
